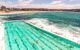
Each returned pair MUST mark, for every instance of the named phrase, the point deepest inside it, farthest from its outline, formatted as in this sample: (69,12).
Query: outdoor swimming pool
(24,36)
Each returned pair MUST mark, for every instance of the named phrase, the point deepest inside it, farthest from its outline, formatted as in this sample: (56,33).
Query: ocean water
(59,22)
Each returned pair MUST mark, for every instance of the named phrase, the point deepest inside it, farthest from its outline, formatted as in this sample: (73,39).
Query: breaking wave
(68,32)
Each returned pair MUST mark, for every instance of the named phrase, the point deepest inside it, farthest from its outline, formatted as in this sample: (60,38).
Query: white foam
(64,32)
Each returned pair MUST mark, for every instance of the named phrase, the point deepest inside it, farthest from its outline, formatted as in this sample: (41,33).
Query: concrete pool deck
(24,36)
(2,43)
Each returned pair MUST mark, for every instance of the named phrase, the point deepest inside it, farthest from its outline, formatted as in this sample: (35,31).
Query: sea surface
(60,22)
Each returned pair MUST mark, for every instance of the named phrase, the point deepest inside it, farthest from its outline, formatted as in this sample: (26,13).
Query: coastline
(14,12)
(18,12)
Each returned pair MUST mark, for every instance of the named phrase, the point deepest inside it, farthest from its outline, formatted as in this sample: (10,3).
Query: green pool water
(24,36)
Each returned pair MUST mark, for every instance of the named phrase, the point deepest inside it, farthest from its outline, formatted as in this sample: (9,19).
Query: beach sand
(18,12)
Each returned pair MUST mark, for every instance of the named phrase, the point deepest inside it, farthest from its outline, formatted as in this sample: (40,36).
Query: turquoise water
(24,36)
(64,18)
(68,18)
